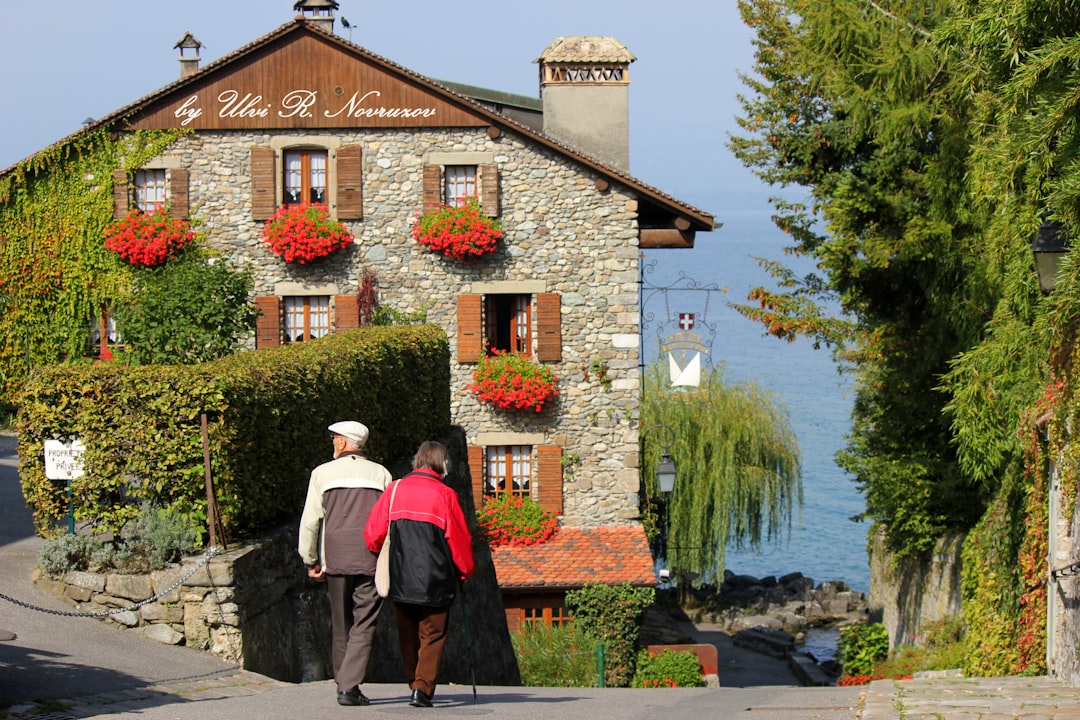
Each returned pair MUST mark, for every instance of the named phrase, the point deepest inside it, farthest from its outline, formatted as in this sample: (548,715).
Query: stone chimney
(585,89)
(318,12)
(188,63)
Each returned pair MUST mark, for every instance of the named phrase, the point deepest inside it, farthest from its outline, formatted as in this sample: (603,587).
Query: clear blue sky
(66,60)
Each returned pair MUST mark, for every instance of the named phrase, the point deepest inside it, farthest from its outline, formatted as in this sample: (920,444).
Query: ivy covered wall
(55,273)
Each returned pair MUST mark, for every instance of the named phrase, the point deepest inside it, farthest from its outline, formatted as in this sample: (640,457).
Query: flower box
(148,239)
(462,233)
(303,233)
(507,519)
(513,382)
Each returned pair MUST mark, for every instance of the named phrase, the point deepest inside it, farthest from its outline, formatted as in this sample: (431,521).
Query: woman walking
(430,552)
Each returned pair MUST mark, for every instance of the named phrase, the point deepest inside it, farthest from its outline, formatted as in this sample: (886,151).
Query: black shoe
(420,699)
(352,697)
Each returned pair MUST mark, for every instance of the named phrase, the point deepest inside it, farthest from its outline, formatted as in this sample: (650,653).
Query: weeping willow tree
(739,477)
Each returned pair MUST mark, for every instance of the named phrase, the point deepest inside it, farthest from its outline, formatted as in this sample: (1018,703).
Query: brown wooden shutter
(121,199)
(489,190)
(350,181)
(470,335)
(432,189)
(346,312)
(268,324)
(179,203)
(549,478)
(263,197)
(549,327)
(476,473)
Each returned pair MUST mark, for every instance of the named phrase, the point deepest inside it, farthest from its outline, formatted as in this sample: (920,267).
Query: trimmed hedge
(267,415)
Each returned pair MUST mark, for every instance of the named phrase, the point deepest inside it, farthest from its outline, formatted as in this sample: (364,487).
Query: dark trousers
(354,610)
(421,635)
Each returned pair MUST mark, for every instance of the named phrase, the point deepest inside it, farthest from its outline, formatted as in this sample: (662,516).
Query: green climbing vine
(55,273)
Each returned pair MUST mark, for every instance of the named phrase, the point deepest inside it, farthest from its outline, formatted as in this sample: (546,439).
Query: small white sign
(63,461)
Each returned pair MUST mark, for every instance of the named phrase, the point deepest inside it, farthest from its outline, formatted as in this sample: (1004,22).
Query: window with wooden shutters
(304,177)
(507,322)
(450,184)
(346,312)
(149,188)
(306,318)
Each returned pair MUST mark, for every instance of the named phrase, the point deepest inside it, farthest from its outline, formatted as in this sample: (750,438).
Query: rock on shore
(789,604)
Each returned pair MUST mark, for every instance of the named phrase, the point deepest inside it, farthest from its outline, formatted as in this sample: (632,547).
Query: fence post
(600,663)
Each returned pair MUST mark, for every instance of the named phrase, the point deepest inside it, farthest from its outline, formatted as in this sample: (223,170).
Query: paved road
(63,667)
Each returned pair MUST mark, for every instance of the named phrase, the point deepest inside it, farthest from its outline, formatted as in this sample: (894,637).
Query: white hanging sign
(63,461)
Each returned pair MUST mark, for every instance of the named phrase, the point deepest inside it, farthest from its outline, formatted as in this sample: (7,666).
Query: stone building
(301,114)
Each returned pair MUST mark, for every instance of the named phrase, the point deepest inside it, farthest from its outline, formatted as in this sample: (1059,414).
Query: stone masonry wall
(559,228)
(910,593)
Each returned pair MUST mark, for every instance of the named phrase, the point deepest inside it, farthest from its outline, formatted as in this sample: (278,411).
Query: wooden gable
(302,80)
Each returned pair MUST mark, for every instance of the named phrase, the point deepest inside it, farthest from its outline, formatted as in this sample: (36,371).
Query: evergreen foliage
(931,139)
(737,458)
(612,614)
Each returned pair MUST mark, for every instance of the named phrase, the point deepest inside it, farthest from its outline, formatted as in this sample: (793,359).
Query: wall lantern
(665,469)
(665,474)
(1049,247)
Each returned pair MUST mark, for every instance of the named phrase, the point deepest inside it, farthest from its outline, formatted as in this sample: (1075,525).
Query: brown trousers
(354,611)
(421,635)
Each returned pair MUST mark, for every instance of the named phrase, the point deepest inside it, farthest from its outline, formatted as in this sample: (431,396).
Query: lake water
(824,544)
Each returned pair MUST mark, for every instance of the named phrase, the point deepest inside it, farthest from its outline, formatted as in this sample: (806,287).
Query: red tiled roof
(613,554)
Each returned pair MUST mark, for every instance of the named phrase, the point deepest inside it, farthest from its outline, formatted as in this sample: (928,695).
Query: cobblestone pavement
(955,698)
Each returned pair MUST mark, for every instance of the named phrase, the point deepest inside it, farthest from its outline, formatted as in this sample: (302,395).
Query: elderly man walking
(340,496)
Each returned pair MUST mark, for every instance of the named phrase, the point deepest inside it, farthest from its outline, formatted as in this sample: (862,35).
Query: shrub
(612,615)
(68,552)
(671,668)
(555,656)
(515,520)
(861,646)
(165,537)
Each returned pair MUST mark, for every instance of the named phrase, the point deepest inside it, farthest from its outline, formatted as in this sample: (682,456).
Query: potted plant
(508,519)
(513,382)
(148,239)
(462,232)
(303,233)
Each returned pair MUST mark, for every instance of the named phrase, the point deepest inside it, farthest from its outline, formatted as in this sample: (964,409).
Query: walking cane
(468,640)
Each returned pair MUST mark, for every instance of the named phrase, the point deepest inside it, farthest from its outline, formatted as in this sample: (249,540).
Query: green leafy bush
(861,646)
(611,614)
(671,668)
(555,656)
(267,413)
(165,537)
(191,309)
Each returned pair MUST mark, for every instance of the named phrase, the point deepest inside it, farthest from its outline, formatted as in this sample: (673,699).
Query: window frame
(508,323)
(309,158)
(510,457)
(306,312)
(149,181)
(459,184)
